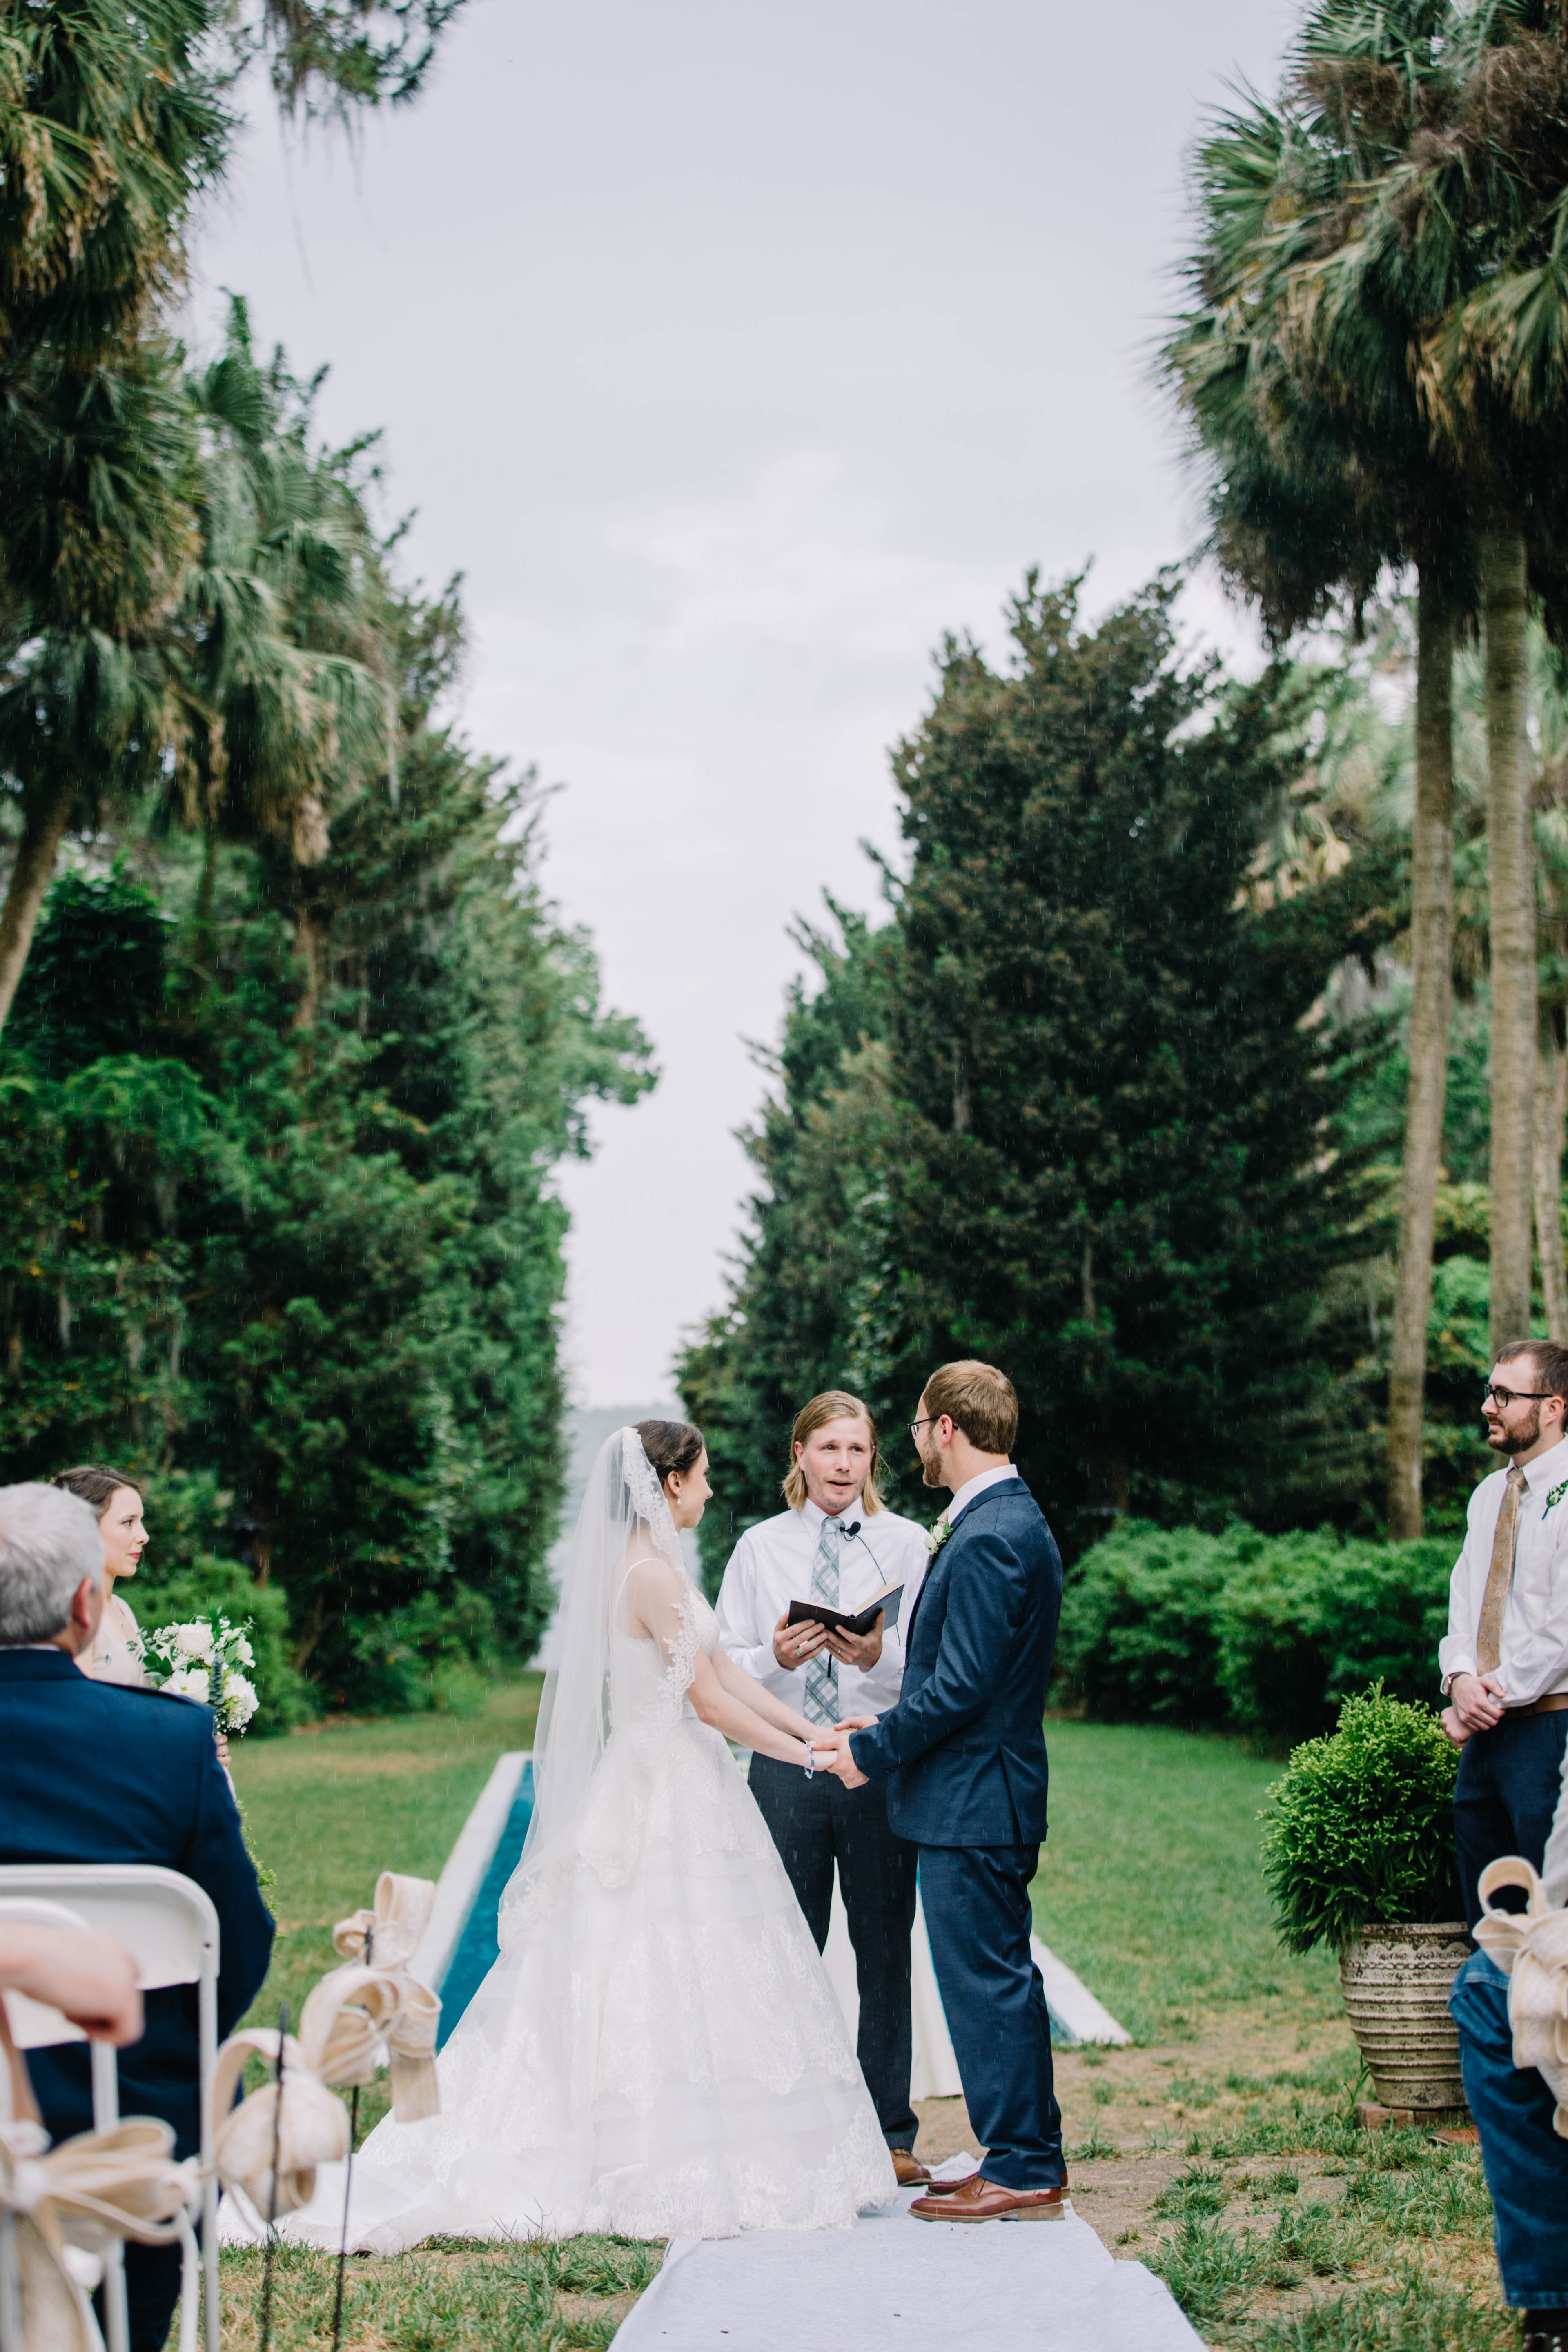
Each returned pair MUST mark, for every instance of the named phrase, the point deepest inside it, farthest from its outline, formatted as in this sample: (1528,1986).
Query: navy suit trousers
(1526,2164)
(978,1918)
(1507,1791)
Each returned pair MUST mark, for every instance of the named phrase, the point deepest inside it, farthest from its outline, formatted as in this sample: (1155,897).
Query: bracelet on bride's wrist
(810,1761)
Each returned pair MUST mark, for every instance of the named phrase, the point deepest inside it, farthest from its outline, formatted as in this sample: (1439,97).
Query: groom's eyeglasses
(916,1427)
(1503,1398)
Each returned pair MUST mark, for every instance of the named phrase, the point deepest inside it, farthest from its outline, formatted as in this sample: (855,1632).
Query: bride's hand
(856,1722)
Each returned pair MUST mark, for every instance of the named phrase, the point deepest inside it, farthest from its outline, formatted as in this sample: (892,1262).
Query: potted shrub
(1358,1853)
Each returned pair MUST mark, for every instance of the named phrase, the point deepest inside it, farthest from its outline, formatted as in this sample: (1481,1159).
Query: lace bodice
(650,1671)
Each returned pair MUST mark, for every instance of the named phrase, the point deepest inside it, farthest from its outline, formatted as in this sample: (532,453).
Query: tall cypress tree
(1101,1149)
(1114,1174)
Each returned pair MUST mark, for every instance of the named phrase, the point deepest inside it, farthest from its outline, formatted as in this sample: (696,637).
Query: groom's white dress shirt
(966,1494)
(772,1566)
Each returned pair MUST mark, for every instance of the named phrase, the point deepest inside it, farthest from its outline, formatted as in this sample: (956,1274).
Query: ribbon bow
(386,1939)
(298,2121)
(1530,1947)
(122,2183)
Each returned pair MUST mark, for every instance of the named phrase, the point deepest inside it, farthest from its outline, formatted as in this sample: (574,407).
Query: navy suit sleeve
(987,1593)
(217,1860)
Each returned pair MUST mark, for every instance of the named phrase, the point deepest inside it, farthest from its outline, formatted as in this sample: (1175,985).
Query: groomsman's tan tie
(1499,1575)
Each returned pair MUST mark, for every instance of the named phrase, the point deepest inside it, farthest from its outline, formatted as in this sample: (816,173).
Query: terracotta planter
(1396,1982)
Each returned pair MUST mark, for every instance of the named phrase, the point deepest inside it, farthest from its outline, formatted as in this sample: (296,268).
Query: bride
(657,2052)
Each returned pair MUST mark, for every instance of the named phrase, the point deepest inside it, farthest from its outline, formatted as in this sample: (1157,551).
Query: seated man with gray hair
(94,1771)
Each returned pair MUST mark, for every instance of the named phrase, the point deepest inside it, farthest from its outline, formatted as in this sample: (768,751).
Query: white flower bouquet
(204,1659)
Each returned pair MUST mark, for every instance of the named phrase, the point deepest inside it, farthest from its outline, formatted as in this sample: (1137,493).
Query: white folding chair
(168,1925)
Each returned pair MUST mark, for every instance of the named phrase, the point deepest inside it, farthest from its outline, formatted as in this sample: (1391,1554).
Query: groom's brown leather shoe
(908,2169)
(979,2199)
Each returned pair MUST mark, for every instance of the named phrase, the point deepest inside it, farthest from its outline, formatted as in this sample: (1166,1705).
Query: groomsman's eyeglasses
(1503,1398)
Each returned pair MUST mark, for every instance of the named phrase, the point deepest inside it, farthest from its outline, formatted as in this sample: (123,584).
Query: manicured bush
(1360,1829)
(1305,1619)
(1263,1633)
(1138,1640)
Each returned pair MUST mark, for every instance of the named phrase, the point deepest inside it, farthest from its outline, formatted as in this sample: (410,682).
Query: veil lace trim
(651,1505)
(650,1502)
(604,1684)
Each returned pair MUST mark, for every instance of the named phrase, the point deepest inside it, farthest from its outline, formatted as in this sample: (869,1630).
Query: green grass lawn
(1150,1887)
(330,1810)
(1286,2230)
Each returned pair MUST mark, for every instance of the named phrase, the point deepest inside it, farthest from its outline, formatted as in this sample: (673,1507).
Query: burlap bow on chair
(299,2121)
(1530,1947)
(387,1939)
(122,2183)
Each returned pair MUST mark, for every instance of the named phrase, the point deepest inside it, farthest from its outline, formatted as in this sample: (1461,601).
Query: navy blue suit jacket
(964,1746)
(95,1772)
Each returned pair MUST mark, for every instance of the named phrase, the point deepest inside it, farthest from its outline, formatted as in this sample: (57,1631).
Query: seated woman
(116,1652)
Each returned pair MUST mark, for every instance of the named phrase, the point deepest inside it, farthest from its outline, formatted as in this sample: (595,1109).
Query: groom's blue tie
(822,1674)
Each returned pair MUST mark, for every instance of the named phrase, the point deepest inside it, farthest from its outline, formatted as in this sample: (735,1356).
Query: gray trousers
(816,1824)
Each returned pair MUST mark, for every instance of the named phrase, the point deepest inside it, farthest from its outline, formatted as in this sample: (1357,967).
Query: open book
(849,1620)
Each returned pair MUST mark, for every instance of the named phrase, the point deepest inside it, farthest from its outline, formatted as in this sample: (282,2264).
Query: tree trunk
(310,938)
(42,833)
(1550,1104)
(1510,888)
(1431,954)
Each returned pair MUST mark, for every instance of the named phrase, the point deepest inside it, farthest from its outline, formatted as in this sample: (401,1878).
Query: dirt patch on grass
(1230,2163)
(1145,2103)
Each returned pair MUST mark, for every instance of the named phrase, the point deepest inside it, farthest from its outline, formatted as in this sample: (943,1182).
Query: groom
(964,1755)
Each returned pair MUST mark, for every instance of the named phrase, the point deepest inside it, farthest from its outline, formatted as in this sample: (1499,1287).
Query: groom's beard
(931,1468)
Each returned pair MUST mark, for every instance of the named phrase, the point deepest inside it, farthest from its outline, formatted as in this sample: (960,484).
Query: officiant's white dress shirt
(772,1566)
(1533,1653)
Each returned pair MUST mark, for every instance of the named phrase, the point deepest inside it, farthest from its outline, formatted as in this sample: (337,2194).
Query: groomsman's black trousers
(816,1824)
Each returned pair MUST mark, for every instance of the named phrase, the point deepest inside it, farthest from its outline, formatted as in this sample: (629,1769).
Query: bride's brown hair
(97,1484)
(670,1445)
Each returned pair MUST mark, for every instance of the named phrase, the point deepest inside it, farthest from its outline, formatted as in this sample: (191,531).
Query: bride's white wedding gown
(658,2051)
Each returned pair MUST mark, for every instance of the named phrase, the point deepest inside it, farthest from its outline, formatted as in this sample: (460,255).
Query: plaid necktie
(822,1674)
(1499,1575)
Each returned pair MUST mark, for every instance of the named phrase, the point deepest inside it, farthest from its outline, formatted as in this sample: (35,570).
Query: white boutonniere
(1557,1493)
(937,1537)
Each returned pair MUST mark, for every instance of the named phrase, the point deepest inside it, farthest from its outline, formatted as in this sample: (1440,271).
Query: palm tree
(1459,239)
(95,475)
(112,121)
(1317,480)
(278,654)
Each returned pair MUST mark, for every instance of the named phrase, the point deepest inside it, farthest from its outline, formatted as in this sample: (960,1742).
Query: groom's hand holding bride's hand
(835,1742)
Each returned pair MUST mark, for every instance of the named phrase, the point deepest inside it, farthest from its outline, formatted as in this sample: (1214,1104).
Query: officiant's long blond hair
(833,1404)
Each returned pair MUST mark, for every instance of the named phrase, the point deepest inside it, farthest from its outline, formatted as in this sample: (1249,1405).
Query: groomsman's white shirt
(1532,1653)
(772,1566)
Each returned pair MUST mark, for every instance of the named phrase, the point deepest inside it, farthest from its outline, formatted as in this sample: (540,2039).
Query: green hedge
(1259,1633)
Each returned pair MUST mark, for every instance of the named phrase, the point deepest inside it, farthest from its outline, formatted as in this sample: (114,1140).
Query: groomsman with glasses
(838,1543)
(1504,1661)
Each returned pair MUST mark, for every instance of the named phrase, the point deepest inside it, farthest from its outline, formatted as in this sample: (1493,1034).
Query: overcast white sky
(734,355)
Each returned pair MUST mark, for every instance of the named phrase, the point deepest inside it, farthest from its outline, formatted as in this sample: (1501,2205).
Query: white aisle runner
(912,2286)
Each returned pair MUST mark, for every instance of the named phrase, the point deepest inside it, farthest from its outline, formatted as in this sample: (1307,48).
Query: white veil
(624,1517)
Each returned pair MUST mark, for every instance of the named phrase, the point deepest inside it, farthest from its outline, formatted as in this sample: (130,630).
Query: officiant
(838,1542)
